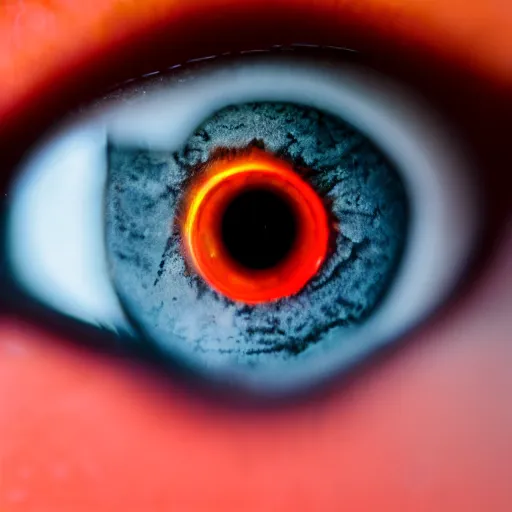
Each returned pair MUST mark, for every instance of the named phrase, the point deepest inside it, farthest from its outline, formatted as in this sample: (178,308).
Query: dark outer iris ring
(208,199)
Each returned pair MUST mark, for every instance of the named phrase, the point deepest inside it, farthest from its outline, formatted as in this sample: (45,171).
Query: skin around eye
(428,430)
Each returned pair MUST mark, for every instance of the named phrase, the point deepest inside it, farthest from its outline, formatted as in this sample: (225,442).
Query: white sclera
(56,234)
(55,228)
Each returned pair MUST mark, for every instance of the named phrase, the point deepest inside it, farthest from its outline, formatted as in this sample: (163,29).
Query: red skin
(426,429)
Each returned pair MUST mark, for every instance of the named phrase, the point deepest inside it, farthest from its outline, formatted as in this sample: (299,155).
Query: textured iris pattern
(177,310)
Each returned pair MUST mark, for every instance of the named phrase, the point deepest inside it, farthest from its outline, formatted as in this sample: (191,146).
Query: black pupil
(258,229)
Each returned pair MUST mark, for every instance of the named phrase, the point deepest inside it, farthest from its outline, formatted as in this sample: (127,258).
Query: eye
(268,222)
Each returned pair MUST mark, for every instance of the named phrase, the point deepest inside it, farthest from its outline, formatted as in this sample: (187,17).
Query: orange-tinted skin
(426,429)
(207,201)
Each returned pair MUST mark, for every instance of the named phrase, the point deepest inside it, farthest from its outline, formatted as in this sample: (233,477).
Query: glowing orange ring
(208,200)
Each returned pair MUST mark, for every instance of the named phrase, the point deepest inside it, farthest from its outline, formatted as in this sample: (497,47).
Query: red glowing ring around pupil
(202,229)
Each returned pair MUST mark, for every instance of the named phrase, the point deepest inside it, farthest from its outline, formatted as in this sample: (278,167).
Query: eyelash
(274,49)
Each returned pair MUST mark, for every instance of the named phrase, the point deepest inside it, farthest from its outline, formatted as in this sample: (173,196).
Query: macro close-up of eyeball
(258,234)
(232,257)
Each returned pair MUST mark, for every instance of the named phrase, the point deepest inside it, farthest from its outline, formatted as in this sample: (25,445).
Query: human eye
(438,262)
(348,173)
(425,427)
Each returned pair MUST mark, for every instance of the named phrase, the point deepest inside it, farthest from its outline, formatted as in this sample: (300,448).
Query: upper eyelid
(22,76)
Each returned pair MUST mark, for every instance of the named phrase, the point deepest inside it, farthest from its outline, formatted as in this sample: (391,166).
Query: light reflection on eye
(387,172)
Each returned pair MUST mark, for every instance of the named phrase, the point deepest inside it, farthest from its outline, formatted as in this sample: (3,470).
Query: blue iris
(177,310)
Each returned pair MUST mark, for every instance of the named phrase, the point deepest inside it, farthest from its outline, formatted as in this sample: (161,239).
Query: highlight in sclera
(253,229)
